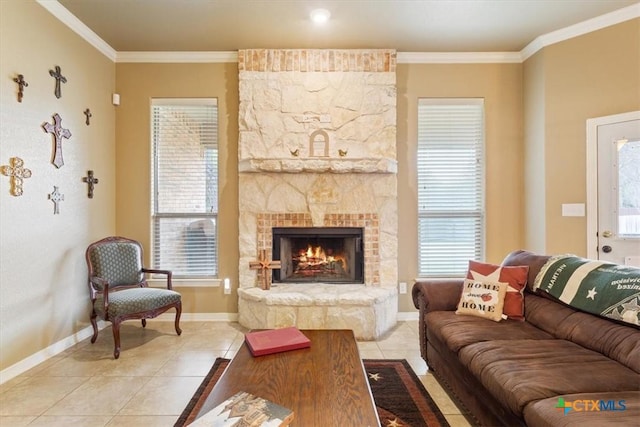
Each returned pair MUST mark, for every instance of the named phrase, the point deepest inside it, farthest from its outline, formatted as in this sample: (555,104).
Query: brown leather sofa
(513,373)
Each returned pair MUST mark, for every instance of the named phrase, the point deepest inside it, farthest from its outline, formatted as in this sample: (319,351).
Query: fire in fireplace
(318,254)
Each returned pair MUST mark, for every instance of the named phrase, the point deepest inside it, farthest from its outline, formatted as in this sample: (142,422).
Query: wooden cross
(59,78)
(21,85)
(58,133)
(16,173)
(87,113)
(89,179)
(56,197)
(264,265)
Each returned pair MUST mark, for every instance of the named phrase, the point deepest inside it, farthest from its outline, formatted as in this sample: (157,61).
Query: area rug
(400,397)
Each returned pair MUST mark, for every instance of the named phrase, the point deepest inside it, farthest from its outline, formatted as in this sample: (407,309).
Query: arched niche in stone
(319,144)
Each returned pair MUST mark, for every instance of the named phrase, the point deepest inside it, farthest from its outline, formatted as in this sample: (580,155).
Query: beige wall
(43,282)
(597,74)
(501,87)
(137,84)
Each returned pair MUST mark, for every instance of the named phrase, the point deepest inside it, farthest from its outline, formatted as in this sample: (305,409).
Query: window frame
(156,215)
(479,213)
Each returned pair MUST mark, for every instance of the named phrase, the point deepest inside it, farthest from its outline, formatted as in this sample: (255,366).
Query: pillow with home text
(482,299)
(514,276)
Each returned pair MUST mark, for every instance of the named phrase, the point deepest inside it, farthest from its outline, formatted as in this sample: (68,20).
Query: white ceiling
(404,25)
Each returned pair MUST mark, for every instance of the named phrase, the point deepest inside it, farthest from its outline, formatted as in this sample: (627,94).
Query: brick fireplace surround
(345,177)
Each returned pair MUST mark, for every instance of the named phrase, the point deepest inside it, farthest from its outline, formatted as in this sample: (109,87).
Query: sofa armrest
(436,294)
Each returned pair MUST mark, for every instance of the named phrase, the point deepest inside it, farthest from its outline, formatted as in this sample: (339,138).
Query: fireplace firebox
(318,254)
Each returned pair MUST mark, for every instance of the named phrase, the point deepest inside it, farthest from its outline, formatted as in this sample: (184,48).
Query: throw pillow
(514,276)
(482,299)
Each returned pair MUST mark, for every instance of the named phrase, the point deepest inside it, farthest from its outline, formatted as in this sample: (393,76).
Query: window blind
(450,185)
(185,186)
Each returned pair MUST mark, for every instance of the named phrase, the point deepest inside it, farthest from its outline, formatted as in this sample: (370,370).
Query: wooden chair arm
(168,273)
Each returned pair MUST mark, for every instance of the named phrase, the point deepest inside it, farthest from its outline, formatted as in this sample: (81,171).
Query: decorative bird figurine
(342,152)
(295,152)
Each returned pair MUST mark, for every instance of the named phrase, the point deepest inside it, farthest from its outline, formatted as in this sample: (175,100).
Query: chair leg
(178,313)
(95,326)
(116,338)
(144,323)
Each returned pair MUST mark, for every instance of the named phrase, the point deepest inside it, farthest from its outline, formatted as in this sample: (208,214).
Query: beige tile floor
(156,375)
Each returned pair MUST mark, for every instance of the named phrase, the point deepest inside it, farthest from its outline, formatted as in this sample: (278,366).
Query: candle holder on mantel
(319,144)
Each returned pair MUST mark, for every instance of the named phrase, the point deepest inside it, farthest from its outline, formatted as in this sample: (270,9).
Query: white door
(619,192)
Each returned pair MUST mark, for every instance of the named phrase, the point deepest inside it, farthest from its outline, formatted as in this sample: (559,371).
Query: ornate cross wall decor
(87,113)
(58,133)
(57,74)
(56,197)
(265,266)
(21,85)
(16,173)
(91,181)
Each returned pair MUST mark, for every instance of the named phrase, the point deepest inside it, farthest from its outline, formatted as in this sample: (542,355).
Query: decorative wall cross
(57,74)
(91,181)
(16,173)
(56,197)
(58,133)
(88,114)
(21,85)
(265,266)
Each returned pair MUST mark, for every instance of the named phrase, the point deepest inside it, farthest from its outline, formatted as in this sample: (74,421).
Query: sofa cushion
(520,372)
(617,341)
(515,276)
(459,331)
(546,413)
(534,261)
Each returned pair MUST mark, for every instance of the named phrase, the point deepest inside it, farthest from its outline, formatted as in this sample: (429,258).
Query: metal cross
(56,197)
(265,265)
(59,78)
(16,173)
(87,113)
(58,133)
(21,85)
(91,181)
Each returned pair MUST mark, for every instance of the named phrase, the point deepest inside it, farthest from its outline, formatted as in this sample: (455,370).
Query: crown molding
(70,20)
(191,57)
(594,24)
(458,57)
(584,27)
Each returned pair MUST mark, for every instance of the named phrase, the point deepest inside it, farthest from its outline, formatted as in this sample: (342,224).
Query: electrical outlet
(403,287)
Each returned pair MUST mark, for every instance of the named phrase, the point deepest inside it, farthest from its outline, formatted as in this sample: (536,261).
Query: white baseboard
(407,315)
(56,348)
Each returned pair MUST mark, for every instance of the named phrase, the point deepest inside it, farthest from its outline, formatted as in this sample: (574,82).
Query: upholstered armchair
(118,287)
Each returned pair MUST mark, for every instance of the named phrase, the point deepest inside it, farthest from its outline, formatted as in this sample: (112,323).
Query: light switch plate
(573,209)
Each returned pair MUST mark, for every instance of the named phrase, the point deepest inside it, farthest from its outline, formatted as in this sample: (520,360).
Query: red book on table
(276,341)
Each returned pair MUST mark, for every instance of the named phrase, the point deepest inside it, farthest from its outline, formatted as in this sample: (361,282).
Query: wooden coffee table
(325,385)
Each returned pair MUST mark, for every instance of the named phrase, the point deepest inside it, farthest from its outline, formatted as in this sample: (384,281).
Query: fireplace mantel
(320,165)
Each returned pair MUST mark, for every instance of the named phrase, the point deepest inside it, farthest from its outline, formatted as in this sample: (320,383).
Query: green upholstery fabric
(117,263)
(136,300)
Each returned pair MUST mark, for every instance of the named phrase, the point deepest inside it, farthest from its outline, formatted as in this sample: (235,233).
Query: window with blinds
(184,190)
(450,185)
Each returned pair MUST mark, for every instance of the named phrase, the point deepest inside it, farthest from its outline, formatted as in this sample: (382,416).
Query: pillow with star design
(514,276)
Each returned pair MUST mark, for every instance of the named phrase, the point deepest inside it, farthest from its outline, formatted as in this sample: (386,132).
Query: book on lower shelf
(272,341)
(246,410)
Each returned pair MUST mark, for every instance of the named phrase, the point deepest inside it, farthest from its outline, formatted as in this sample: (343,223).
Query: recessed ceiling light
(320,16)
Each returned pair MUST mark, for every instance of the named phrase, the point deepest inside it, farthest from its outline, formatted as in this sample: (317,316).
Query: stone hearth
(317,148)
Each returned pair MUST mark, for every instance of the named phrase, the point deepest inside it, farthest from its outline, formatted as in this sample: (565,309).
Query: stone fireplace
(317,151)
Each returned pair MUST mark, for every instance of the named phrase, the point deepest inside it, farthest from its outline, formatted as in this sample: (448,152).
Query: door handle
(607,233)
(606,249)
